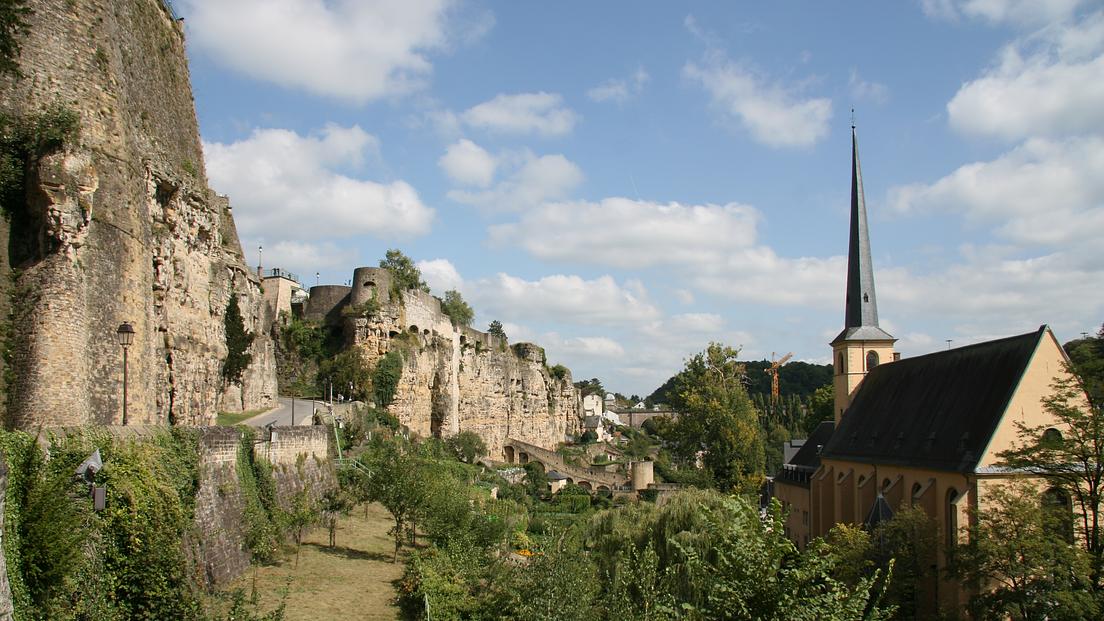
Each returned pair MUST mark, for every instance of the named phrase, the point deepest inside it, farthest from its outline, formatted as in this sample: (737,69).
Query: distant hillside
(798,379)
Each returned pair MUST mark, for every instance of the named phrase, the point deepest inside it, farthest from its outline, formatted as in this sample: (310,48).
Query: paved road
(282,414)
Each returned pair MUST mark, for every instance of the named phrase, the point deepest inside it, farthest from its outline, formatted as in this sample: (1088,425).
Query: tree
(237,342)
(456,309)
(495,329)
(820,408)
(395,482)
(592,386)
(302,513)
(335,502)
(1027,569)
(716,419)
(404,274)
(385,379)
(467,446)
(1069,453)
(349,374)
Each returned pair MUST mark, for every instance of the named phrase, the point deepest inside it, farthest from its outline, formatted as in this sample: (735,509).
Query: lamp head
(125,334)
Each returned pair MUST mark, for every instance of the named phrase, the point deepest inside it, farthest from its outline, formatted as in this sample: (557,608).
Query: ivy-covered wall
(187,509)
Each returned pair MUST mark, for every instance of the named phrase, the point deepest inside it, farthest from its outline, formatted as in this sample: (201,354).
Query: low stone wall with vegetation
(187,510)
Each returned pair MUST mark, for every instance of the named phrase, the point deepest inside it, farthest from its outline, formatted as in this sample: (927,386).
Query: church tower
(862,345)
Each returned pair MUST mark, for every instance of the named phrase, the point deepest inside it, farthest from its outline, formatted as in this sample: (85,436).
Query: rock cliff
(121,226)
(454,378)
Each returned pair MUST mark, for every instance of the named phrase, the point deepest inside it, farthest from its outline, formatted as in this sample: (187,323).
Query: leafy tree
(467,446)
(908,543)
(495,329)
(820,407)
(558,371)
(536,481)
(302,513)
(717,420)
(13,25)
(592,386)
(456,309)
(1028,569)
(344,370)
(238,342)
(396,482)
(335,503)
(385,379)
(404,274)
(1069,454)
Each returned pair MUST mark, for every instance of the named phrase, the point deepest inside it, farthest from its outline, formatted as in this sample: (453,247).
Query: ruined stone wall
(125,229)
(6,608)
(460,379)
(300,458)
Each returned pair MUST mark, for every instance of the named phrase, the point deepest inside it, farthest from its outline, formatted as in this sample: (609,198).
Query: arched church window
(1052,437)
(952,518)
(871,360)
(916,487)
(1056,503)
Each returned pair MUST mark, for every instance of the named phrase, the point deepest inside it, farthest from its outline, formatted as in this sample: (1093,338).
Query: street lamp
(126,337)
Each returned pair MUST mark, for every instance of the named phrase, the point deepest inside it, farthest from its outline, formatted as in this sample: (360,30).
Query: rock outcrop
(121,226)
(454,378)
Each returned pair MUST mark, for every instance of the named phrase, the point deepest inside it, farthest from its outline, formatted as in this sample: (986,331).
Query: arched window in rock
(1056,502)
(871,360)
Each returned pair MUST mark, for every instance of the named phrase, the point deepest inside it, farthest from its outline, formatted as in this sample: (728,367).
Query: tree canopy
(404,274)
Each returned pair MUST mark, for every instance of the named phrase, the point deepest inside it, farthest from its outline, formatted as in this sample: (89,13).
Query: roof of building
(934,411)
(808,456)
(555,475)
(861,304)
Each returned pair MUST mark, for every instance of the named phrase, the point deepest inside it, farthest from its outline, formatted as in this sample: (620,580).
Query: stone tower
(862,345)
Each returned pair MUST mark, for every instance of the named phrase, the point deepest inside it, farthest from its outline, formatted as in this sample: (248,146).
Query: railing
(281,273)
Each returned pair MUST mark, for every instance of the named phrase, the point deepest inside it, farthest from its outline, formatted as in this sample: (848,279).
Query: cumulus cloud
(468,163)
(620,90)
(1042,192)
(1001,11)
(534,181)
(345,49)
(581,347)
(564,298)
(775,114)
(441,275)
(622,232)
(300,257)
(1048,84)
(281,182)
(540,113)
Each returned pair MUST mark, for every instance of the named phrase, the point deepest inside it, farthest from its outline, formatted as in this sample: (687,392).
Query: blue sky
(623,182)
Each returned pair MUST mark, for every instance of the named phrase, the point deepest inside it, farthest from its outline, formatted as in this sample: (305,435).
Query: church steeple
(861,303)
(863,344)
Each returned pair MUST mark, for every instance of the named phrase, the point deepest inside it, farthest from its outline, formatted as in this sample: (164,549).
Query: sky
(624,182)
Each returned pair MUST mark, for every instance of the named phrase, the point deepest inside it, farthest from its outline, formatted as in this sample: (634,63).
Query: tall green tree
(1069,453)
(396,482)
(456,309)
(716,419)
(404,274)
(495,329)
(238,341)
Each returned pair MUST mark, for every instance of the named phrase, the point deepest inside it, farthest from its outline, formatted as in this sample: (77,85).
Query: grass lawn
(351,581)
(229,419)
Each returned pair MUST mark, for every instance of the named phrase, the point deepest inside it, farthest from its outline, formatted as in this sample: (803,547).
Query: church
(921,432)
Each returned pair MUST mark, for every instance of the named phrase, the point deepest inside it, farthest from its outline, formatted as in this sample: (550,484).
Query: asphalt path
(281,415)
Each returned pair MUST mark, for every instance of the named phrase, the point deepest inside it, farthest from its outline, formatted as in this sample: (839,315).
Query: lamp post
(126,337)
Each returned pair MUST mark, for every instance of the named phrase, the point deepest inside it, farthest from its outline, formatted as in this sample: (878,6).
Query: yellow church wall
(849,371)
(1047,363)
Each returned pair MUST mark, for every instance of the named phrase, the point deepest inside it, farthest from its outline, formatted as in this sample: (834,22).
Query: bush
(456,309)
(385,379)
(558,371)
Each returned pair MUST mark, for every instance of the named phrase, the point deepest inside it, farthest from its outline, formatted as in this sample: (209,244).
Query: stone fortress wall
(454,378)
(122,227)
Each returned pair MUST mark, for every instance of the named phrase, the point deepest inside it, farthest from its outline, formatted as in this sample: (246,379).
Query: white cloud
(468,163)
(562,298)
(536,180)
(581,347)
(620,90)
(773,113)
(1024,12)
(282,184)
(523,113)
(623,232)
(861,90)
(346,49)
(302,258)
(1042,192)
(1051,83)
(441,275)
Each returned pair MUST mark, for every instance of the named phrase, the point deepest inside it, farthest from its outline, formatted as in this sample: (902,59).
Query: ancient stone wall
(459,379)
(122,227)
(6,609)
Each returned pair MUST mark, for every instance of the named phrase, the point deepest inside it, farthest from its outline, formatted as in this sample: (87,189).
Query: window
(839,363)
(885,486)
(1052,438)
(952,518)
(915,492)
(871,360)
(1056,503)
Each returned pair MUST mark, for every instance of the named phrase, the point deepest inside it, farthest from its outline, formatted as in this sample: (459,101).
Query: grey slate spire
(861,314)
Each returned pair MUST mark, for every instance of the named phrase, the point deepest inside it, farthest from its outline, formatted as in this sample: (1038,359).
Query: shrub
(385,379)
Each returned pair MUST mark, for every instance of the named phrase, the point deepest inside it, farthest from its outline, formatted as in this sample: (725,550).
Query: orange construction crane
(773,370)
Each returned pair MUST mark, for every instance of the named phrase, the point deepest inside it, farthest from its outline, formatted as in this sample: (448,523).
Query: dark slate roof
(809,455)
(935,411)
(861,305)
(863,333)
(555,475)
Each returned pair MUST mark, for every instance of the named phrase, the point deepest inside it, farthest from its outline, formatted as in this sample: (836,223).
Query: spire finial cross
(852,118)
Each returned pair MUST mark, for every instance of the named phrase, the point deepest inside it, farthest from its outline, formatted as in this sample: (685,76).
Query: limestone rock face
(121,226)
(460,379)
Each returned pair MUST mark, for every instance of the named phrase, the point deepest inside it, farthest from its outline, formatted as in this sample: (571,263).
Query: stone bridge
(594,479)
